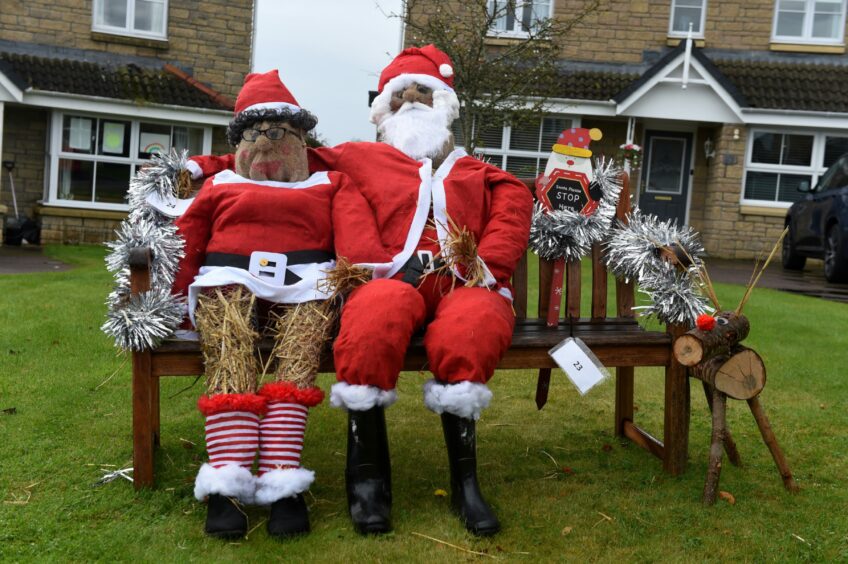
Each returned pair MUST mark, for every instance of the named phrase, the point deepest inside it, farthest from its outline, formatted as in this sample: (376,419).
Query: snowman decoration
(569,178)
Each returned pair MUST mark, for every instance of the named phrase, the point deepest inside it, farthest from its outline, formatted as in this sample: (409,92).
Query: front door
(665,174)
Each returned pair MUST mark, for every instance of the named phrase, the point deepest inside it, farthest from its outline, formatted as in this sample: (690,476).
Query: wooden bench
(617,342)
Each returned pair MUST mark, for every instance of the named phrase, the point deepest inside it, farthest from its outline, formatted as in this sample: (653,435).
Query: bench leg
(142,420)
(154,410)
(676,428)
(623,398)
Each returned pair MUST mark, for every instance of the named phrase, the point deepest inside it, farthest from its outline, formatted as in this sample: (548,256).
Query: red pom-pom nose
(705,322)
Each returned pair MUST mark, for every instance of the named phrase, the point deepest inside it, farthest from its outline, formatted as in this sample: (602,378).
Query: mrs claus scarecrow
(261,232)
(454,229)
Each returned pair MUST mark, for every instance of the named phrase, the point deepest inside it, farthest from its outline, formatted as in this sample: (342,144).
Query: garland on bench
(667,263)
(568,234)
(140,322)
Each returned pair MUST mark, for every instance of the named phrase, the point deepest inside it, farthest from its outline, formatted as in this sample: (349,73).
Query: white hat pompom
(446,70)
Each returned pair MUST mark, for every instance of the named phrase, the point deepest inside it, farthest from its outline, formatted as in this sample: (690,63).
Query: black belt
(292,258)
(415,268)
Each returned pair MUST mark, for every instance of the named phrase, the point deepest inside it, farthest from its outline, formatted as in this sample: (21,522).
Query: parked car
(818,224)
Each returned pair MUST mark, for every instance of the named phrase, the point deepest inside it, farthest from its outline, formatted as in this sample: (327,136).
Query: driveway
(28,258)
(809,282)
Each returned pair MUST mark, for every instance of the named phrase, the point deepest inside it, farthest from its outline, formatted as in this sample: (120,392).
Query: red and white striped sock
(281,441)
(281,433)
(232,438)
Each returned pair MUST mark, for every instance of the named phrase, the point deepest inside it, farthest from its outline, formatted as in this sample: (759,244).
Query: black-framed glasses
(272,133)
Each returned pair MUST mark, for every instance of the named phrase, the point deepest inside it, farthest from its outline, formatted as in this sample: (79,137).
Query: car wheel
(835,261)
(790,258)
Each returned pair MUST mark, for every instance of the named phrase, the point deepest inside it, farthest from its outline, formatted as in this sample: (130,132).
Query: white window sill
(763,208)
(130,34)
(87,206)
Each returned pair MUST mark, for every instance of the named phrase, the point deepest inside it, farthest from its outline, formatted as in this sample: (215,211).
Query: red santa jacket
(392,196)
(234,215)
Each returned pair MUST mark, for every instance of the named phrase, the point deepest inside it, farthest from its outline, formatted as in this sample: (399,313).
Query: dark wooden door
(666,170)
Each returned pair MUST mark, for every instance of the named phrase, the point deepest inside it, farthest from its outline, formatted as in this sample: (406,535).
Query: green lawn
(603,500)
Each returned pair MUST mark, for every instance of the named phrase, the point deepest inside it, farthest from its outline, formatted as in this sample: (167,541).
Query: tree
(496,78)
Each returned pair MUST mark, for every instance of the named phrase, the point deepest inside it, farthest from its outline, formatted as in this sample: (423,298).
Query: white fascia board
(576,107)
(664,77)
(795,118)
(99,105)
(648,86)
(581,107)
(8,91)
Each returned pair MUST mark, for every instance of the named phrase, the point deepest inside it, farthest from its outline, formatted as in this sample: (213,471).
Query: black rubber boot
(368,473)
(466,499)
(224,518)
(289,517)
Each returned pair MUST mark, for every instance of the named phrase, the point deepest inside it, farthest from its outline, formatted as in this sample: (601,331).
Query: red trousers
(468,332)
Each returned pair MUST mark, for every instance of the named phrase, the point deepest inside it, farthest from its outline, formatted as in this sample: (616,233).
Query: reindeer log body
(698,345)
(740,374)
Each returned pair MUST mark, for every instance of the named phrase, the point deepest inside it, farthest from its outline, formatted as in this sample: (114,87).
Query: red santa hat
(575,141)
(426,65)
(265,91)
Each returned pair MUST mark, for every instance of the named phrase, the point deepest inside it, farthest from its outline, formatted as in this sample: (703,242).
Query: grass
(601,500)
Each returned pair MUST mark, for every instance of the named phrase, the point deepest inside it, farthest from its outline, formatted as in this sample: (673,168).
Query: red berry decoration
(705,322)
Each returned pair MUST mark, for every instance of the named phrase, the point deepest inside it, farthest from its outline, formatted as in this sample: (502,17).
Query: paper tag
(579,363)
(171,207)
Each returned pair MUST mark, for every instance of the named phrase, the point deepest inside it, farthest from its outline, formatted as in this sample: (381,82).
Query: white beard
(417,129)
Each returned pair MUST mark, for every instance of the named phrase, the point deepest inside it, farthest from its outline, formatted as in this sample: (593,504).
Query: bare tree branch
(497,76)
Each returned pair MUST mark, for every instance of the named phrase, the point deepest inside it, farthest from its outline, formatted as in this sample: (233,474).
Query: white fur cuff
(360,398)
(194,169)
(285,482)
(463,399)
(231,480)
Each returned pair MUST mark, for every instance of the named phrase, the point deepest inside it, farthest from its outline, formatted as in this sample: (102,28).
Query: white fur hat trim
(463,399)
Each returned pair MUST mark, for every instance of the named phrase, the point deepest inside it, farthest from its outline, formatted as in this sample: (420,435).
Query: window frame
(807,38)
(517,34)
(695,35)
(54,154)
(504,152)
(816,169)
(129,30)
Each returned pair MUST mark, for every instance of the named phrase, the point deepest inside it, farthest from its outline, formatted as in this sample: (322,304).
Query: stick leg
(729,443)
(771,443)
(716,447)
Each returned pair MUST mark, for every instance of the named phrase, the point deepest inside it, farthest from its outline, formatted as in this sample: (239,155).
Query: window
(809,21)
(522,149)
(778,163)
(93,158)
(518,17)
(684,13)
(140,18)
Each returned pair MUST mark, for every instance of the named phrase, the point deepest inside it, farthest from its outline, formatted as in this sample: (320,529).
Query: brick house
(731,126)
(90,88)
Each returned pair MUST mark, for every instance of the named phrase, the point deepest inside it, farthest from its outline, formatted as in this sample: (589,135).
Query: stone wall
(726,231)
(95,227)
(621,31)
(212,38)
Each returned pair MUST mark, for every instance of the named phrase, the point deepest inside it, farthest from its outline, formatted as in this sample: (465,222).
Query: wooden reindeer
(714,352)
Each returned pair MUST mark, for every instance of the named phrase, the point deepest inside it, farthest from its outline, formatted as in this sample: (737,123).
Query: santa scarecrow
(414,192)
(260,232)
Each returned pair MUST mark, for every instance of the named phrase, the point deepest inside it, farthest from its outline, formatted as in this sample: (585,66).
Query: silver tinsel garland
(569,235)
(633,252)
(141,322)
